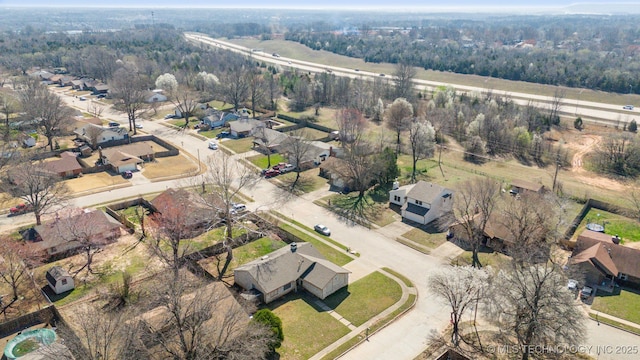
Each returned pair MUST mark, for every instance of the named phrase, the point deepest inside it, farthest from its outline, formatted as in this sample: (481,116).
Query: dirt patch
(169,166)
(95,181)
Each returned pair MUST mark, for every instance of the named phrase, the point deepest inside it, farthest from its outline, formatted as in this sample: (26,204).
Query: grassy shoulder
(631,329)
(331,254)
(296,223)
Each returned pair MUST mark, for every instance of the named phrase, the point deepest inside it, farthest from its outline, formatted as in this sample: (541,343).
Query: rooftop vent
(294,247)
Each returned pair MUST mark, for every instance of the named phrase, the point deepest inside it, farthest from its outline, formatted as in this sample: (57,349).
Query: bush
(633,126)
(578,123)
(268,318)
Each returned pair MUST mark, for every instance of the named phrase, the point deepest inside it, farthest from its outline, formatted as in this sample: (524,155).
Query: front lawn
(309,181)
(307,329)
(373,207)
(331,254)
(168,166)
(625,305)
(429,238)
(238,145)
(493,258)
(628,229)
(365,298)
(261,161)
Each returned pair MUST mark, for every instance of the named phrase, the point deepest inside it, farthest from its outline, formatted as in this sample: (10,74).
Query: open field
(490,258)
(309,134)
(295,50)
(169,166)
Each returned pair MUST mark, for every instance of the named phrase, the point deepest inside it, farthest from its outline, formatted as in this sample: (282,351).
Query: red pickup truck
(20,209)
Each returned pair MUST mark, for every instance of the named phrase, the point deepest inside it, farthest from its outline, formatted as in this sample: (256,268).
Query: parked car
(127,174)
(238,208)
(280,166)
(139,126)
(213,145)
(169,116)
(101,96)
(322,229)
(572,285)
(586,292)
(271,173)
(224,134)
(82,98)
(20,209)
(114,124)
(628,107)
(287,168)
(382,74)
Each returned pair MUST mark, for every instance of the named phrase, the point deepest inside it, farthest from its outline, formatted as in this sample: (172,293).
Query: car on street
(114,124)
(101,96)
(238,208)
(20,209)
(628,107)
(356,69)
(127,174)
(169,116)
(82,98)
(139,126)
(213,145)
(271,173)
(322,229)
(382,74)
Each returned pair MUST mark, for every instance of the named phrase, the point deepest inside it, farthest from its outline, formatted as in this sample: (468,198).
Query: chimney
(294,247)
(396,185)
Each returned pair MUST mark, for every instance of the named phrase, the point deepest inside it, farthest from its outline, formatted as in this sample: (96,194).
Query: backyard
(627,228)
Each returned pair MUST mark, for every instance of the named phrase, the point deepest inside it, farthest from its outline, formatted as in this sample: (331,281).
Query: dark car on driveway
(224,134)
(127,174)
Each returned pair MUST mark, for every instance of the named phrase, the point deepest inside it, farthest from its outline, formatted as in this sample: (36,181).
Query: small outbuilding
(59,280)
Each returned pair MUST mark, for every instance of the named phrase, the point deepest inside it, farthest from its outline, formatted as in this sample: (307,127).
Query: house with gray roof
(422,202)
(299,265)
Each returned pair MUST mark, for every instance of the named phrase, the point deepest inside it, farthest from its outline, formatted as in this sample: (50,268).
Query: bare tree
(421,142)
(462,287)
(129,89)
(197,321)
(358,152)
(398,116)
(8,106)
(266,142)
(256,89)
(186,101)
(16,258)
(95,109)
(40,189)
(235,86)
(403,78)
(554,107)
(39,103)
(93,133)
(228,178)
(94,334)
(475,202)
(273,90)
(532,304)
(297,147)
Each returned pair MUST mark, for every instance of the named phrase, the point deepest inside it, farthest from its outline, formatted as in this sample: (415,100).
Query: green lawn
(131,215)
(374,207)
(365,298)
(244,254)
(494,259)
(625,305)
(309,181)
(406,281)
(309,133)
(431,239)
(307,329)
(211,134)
(205,240)
(326,118)
(333,255)
(628,229)
(261,161)
(238,145)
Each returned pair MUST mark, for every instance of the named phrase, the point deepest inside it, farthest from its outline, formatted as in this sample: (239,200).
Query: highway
(590,112)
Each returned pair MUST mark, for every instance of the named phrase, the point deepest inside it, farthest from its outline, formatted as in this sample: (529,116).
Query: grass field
(238,145)
(307,329)
(326,117)
(625,305)
(331,254)
(494,259)
(365,298)
(628,229)
(431,239)
(604,320)
(309,181)
(261,161)
(298,51)
(309,134)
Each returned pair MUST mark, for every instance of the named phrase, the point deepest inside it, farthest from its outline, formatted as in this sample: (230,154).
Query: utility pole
(555,176)
(440,159)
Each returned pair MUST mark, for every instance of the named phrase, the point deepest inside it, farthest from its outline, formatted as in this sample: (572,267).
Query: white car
(628,107)
(322,229)
(287,168)
(238,208)
(139,126)
(572,285)
(213,145)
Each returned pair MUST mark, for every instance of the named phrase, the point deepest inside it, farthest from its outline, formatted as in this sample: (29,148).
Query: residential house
(63,236)
(99,88)
(286,269)
(77,84)
(155,96)
(28,140)
(59,280)
(521,186)
(215,118)
(67,166)
(96,135)
(196,213)
(66,80)
(43,75)
(266,139)
(127,157)
(316,153)
(244,127)
(337,172)
(422,202)
(605,262)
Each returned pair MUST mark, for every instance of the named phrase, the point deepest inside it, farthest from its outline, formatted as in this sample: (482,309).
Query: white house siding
(244,279)
(128,167)
(279,292)
(397,196)
(338,282)
(60,287)
(413,217)
(316,291)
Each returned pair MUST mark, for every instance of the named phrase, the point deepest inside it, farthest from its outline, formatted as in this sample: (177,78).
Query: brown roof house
(422,202)
(604,262)
(127,157)
(521,186)
(194,212)
(286,269)
(65,235)
(67,166)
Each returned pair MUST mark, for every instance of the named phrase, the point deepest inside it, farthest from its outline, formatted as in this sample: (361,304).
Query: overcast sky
(365,4)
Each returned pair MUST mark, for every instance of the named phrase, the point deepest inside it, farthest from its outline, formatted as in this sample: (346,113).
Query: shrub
(268,318)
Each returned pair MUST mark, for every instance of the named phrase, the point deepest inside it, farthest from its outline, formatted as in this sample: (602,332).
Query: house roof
(87,223)
(426,192)
(597,236)
(119,158)
(56,273)
(415,209)
(333,164)
(84,130)
(268,137)
(527,185)
(244,125)
(183,199)
(138,149)
(67,162)
(284,266)
(624,258)
(598,256)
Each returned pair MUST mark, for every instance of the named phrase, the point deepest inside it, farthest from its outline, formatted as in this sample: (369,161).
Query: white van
(213,145)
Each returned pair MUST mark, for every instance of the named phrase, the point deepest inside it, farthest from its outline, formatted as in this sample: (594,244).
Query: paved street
(403,339)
